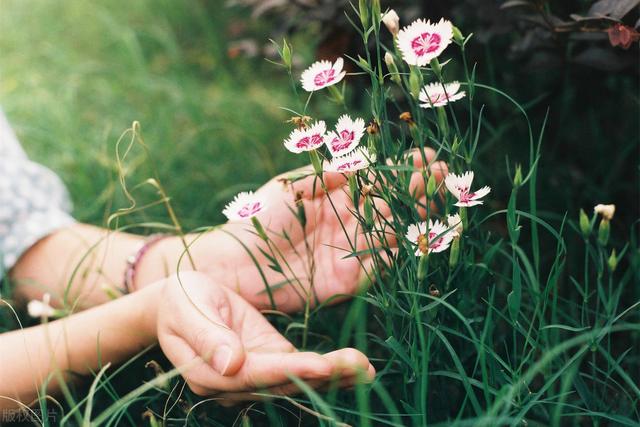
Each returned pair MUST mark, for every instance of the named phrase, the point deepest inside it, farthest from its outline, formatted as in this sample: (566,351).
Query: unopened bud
(286,53)
(368,212)
(316,162)
(517,179)
(612,262)
(415,82)
(364,14)
(393,69)
(455,146)
(432,186)
(391,20)
(301,213)
(457,36)
(585,225)
(454,252)
(604,231)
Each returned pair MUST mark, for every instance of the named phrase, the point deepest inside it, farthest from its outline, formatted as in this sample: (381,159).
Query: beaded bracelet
(134,259)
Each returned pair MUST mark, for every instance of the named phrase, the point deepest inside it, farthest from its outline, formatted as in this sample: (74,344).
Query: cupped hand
(225,347)
(313,259)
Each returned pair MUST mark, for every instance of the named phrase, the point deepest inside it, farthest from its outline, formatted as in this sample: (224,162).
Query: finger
(265,370)
(209,319)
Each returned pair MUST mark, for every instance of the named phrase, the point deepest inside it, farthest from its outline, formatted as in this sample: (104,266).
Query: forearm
(111,332)
(75,261)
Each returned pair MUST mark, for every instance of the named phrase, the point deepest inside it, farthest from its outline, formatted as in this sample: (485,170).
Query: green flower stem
(337,95)
(316,161)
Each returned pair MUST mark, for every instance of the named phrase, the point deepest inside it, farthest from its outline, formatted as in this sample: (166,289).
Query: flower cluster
(435,236)
(342,143)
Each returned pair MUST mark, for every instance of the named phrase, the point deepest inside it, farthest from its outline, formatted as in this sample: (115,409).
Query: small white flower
(606,211)
(37,308)
(352,162)
(245,205)
(322,74)
(391,20)
(422,41)
(435,95)
(455,224)
(432,237)
(346,136)
(460,187)
(306,139)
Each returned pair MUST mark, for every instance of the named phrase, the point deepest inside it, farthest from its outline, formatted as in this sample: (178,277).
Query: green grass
(532,326)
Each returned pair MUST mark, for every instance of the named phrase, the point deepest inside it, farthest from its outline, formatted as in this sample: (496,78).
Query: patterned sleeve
(33,200)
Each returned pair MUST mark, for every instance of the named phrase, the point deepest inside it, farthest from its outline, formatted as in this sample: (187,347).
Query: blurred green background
(75,74)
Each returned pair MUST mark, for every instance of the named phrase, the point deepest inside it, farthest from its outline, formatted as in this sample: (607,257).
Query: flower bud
(455,146)
(585,225)
(393,69)
(517,179)
(606,211)
(364,14)
(259,228)
(368,212)
(432,186)
(316,162)
(415,82)
(301,213)
(454,253)
(612,262)
(604,231)
(286,53)
(457,36)
(391,20)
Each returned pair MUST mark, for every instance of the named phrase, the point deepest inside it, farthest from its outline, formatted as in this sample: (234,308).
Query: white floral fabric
(33,200)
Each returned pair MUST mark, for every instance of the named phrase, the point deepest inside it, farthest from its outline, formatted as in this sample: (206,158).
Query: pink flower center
(434,244)
(349,165)
(465,196)
(425,43)
(324,77)
(342,142)
(437,98)
(249,210)
(309,141)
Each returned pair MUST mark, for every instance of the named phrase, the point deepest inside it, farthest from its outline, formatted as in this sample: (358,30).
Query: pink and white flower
(322,74)
(429,237)
(455,224)
(245,205)
(460,187)
(346,136)
(422,41)
(438,95)
(352,162)
(306,139)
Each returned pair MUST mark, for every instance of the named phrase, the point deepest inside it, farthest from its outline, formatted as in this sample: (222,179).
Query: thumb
(208,327)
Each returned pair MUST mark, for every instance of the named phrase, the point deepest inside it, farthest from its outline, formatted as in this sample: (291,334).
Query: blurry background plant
(74,75)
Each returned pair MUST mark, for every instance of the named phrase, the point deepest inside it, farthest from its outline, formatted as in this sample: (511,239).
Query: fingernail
(222,359)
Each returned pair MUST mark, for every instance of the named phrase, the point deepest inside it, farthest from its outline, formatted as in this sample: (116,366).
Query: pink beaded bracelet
(134,259)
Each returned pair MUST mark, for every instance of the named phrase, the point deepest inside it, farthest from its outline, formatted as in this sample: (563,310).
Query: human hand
(225,347)
(323,237)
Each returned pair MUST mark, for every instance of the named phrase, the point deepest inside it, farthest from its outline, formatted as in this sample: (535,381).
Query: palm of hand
(316,256)
(224,345)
